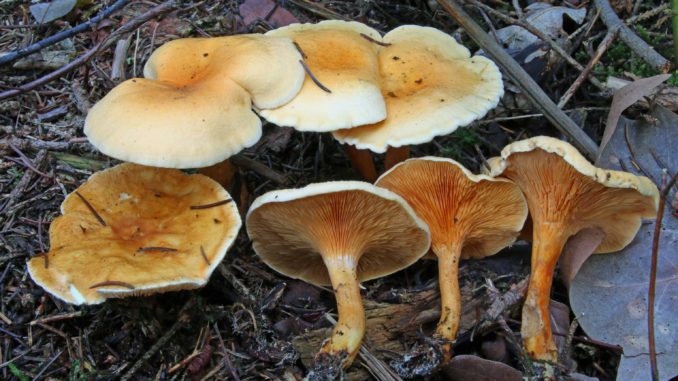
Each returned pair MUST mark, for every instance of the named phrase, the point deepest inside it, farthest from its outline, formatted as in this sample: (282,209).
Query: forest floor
(248,323)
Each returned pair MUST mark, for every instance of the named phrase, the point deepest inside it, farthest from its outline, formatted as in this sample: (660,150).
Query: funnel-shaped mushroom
(469,216)
(342,58)
(194,107)
(431,85)
(132,230)
(565,195)
(338,233)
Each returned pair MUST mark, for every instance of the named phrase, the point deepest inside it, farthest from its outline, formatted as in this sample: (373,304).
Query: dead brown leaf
(623,99)
(577,250)
(468,367)
(253,10)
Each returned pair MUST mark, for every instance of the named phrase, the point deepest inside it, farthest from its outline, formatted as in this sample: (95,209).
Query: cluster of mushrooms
(145,226)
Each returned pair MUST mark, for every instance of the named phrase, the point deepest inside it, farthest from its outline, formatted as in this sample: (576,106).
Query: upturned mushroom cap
(267,67)
(154,238)
(343,61)
(482,213)
(560,183)
(292,230)
(432,86)
(469,216)
(194,109)
(565,195)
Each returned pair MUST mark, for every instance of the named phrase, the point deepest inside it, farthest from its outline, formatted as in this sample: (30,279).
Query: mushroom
(342,89)
(343,60)
(565,195)
(432,86)
(470,216)
(193,109)
(339,233)
(132,230)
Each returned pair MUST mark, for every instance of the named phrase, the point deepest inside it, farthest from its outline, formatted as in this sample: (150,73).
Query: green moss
(16,372)
(461,139)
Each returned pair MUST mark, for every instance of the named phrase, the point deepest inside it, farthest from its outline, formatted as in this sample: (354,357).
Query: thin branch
(640,47)
(112,283)
(212,205)
(372,40)
(30,49)
(541,35)
(523,80)
(157,248)
(91,208)
(602,48)
(130,26)
(666,187)
(313,78)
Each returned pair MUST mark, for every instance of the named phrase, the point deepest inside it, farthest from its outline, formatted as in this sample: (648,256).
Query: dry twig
(523,80)
(640,47)
(666,188)
(130,26)
(602,48)
(541,35)
(23,52)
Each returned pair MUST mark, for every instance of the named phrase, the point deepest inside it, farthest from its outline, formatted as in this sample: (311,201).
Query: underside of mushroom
(338,233)
(565,195)
(469,216)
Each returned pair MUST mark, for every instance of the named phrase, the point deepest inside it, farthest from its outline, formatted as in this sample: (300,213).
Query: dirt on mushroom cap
(431,85)
(152,239)
(345,62)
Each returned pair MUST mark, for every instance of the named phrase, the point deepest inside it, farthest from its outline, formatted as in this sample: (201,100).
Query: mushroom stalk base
(348,333)
(429,354)
(450,296)
(548,242)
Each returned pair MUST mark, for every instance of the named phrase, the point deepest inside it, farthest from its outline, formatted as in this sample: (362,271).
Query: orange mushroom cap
(345,62)
(132,230)
(470,216)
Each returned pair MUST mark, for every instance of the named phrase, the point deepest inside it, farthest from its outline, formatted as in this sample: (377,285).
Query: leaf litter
(609,294)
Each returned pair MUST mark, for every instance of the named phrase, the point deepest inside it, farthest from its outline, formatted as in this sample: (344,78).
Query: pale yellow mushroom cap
(154,123)
(293,229)
(561,185)
(142,207)
(431,85)
(343,61)
(267,67)
(194,108)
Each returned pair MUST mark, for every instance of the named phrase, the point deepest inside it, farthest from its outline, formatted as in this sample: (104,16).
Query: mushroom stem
(450,296)
(222,172)
(395,155)
(350,328)
(548,242)
(361,160)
